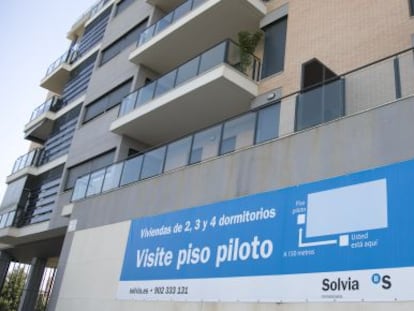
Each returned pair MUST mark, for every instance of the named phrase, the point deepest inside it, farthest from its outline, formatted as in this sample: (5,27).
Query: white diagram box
(301,219)
(344,240)
(347,209)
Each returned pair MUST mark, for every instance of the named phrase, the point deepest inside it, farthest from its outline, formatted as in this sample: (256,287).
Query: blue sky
(33,35)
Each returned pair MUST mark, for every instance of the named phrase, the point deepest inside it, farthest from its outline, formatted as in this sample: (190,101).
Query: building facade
(169,108)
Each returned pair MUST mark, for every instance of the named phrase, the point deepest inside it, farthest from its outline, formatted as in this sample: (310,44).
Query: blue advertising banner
(349,238)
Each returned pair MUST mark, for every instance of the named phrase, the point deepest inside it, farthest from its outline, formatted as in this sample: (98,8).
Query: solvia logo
(340,285)
(383,280)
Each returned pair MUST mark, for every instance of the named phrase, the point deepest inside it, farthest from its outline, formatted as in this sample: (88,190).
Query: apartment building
(220,155)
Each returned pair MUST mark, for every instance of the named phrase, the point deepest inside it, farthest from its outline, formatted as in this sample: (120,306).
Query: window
(87,167)
(122,5)
(411,7)
(108,101)
(119,45)
(267,123)
(315,72)
(274,47)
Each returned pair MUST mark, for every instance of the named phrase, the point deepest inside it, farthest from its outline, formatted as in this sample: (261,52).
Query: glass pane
(187,71)
(95,183)
(10,218)
(79,190)
(30,158)
(182,10)
(333,100)
(128,104)
(309,110)
(178,153)
(163,23)
(3,219)
(153,162)
(197,3)
(132,168)
(145,94)
(206,144)
(238,133)
(146,35)
(212,57)
(112,177)
(165,83)
(268,123)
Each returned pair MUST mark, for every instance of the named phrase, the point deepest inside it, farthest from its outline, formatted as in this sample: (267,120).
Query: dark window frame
(106,96)
(122,43)
(90,170)
(122,5)
(271,63)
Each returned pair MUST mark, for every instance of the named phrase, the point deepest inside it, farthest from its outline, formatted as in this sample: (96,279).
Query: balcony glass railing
(52,104)
(243,131)
(29,159)
(68,57)
(169,19)
(7,219)
(56,145)
(315,105)
(226,52)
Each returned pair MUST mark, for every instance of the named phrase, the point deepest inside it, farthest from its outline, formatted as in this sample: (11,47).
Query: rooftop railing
(227,52)
(361,89)
(169,19)
(92,11)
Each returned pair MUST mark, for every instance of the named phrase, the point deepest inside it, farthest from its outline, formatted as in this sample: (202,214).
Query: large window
(129,38)
(91,165)
(108,101)
(274,47)
(122,5)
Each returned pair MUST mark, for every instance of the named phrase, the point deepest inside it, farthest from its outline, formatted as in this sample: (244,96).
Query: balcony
(216,85)
(165,5)
(58,72)
(27,160)
(41,120)
(193,27)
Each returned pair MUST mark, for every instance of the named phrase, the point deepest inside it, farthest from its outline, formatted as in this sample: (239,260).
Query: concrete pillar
(31,289)
(4,267)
